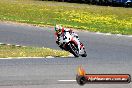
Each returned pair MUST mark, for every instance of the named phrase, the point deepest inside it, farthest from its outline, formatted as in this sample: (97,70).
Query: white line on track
(99,33)
(108,34)
(21,57)
(66,80)
(119,35)
(8,44)
(130,36)
(17,45)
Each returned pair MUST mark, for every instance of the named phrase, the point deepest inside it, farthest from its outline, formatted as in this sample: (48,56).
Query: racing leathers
(58,35)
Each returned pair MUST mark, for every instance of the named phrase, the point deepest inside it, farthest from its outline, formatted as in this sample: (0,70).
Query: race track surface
(106,54)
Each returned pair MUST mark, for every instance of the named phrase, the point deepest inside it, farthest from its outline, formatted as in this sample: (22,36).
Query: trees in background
(99,2)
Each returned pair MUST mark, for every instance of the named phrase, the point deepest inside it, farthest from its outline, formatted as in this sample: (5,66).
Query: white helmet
(58,28)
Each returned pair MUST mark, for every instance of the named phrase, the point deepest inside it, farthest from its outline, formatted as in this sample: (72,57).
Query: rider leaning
(59,30)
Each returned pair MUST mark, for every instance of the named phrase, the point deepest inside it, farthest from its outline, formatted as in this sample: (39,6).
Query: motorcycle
(72,44)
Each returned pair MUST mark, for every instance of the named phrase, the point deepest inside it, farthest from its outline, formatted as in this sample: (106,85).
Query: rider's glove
(57,42)
(61,46)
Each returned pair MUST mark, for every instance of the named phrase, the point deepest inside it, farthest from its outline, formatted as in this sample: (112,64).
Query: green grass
(80,16)
(13,51)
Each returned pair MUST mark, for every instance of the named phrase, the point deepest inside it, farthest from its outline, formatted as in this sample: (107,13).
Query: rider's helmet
(58,29)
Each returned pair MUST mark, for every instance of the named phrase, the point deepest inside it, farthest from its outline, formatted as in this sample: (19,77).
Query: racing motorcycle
(72,44)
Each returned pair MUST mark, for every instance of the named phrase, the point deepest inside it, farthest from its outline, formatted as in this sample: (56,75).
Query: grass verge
(14,51)
(81,16)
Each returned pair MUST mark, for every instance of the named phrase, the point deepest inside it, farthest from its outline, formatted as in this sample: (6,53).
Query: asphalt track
(106,54)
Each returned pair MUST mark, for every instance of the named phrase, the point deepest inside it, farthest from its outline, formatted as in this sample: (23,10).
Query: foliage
(81,16)
(13,51)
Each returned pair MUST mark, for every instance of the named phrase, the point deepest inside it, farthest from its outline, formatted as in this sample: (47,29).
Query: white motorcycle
(72,44)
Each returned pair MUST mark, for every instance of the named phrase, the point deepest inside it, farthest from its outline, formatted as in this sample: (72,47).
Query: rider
(59,30)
